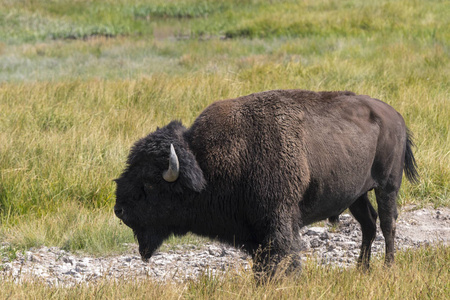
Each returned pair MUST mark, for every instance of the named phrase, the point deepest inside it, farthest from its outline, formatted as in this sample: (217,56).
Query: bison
(252,171)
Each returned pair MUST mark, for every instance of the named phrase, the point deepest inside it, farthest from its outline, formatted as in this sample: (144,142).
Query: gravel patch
(337,245)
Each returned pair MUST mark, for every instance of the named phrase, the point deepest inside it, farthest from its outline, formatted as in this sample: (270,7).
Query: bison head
(156,190)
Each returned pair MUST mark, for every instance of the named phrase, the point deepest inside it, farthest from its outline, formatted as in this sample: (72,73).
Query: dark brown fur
(255,169)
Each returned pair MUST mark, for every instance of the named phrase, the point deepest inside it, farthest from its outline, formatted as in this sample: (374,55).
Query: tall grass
(63,143)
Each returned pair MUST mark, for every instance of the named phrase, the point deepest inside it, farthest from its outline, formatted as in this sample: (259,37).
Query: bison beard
(148,243)
(252,171)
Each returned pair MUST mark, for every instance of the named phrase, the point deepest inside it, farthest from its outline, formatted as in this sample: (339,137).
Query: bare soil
(426,225)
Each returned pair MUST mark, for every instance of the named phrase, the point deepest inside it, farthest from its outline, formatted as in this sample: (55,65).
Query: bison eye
(148,189)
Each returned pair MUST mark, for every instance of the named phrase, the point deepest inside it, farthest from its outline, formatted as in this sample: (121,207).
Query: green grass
(418,274)
(40,20)
(80,81)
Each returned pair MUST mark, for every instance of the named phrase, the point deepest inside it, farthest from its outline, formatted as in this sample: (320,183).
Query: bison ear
(191,176)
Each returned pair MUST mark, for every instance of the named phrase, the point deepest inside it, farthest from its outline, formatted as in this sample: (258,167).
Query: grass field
(80,81)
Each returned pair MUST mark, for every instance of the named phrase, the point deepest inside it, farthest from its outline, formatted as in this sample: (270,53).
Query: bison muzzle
(252,171)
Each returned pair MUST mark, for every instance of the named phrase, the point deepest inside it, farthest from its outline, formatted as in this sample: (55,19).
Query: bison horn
(171,174)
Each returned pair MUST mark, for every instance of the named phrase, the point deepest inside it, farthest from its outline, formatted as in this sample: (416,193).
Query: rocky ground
(337,245)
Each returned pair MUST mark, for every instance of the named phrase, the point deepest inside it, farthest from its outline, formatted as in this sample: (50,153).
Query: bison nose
(119,212)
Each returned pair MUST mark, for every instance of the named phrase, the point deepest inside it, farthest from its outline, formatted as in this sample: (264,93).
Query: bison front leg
(273,260)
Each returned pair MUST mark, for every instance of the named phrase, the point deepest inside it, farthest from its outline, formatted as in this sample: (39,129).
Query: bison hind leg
(387,208)
(366,215)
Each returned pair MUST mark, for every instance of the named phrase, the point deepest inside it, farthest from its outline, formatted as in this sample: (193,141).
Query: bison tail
(410,166)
